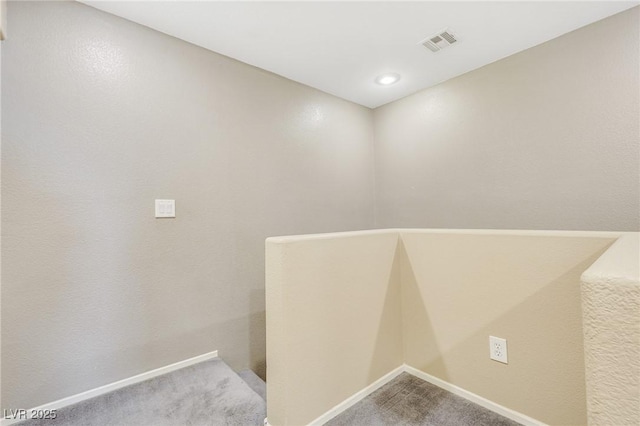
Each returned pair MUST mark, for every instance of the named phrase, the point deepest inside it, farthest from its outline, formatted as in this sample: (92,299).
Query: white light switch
(165,208)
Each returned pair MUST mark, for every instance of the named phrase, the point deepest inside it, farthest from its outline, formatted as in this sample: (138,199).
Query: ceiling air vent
(439,41)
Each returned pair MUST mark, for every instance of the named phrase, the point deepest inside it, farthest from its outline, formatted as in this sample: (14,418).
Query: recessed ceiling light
(387,79)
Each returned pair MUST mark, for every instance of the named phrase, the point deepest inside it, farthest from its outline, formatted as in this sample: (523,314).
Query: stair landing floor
(408,400)
(208,393)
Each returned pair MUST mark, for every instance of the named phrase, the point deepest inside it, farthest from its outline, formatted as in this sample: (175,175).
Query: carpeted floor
(408,400)
(255,382)
(208,393)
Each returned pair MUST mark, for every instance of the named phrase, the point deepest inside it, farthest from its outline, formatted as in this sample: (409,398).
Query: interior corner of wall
(275,330)
(402,263)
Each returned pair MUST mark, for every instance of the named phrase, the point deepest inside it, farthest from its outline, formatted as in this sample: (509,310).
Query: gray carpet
(208,393)
(255,382)
(408,400)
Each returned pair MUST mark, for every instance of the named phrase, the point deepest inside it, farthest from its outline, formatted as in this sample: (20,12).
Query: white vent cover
(440,40)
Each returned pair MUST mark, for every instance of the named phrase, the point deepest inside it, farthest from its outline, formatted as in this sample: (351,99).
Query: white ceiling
(340,47)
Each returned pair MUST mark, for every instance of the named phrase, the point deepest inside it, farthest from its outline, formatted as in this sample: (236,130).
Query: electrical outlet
(498,349)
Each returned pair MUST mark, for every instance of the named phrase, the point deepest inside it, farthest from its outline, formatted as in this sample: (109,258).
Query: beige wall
(459,288)
(100,116)
(333,320)
(548,138)
(611,326)
(331,330)
(3,19)
(0,220)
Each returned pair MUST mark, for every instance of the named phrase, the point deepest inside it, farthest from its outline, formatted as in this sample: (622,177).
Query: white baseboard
(477,399)
(483,402)
(55,405)
(341,407)
(357,397)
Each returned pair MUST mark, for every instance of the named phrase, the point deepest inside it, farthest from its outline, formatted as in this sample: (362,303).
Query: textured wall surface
(3,19)
(333,320)
(611,311)
(0,222)
(100,116)
(331,330)
(548,138)
(459,288)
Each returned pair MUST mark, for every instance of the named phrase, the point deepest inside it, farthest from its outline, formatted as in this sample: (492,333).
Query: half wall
(345,309)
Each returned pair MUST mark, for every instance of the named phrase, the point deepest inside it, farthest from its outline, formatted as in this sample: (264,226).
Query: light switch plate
(165,208)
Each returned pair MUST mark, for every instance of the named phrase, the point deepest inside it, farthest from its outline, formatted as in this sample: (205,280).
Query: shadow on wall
(414,311)
(560,353)
(447,326)
(347,309)
(389,319)
(257,337)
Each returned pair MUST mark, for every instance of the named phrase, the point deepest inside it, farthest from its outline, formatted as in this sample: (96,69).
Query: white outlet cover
(165,208)
(498,349)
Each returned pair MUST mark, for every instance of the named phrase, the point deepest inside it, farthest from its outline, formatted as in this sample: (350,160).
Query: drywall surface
(0,220)
(100,117)
(344,309)
(3,19)
(611,311)
(333,320)
(548,138)
(460,288)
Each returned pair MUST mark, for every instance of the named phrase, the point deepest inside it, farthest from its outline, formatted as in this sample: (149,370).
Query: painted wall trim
(92,393)
(404,368)
(513,232)
(477,399)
